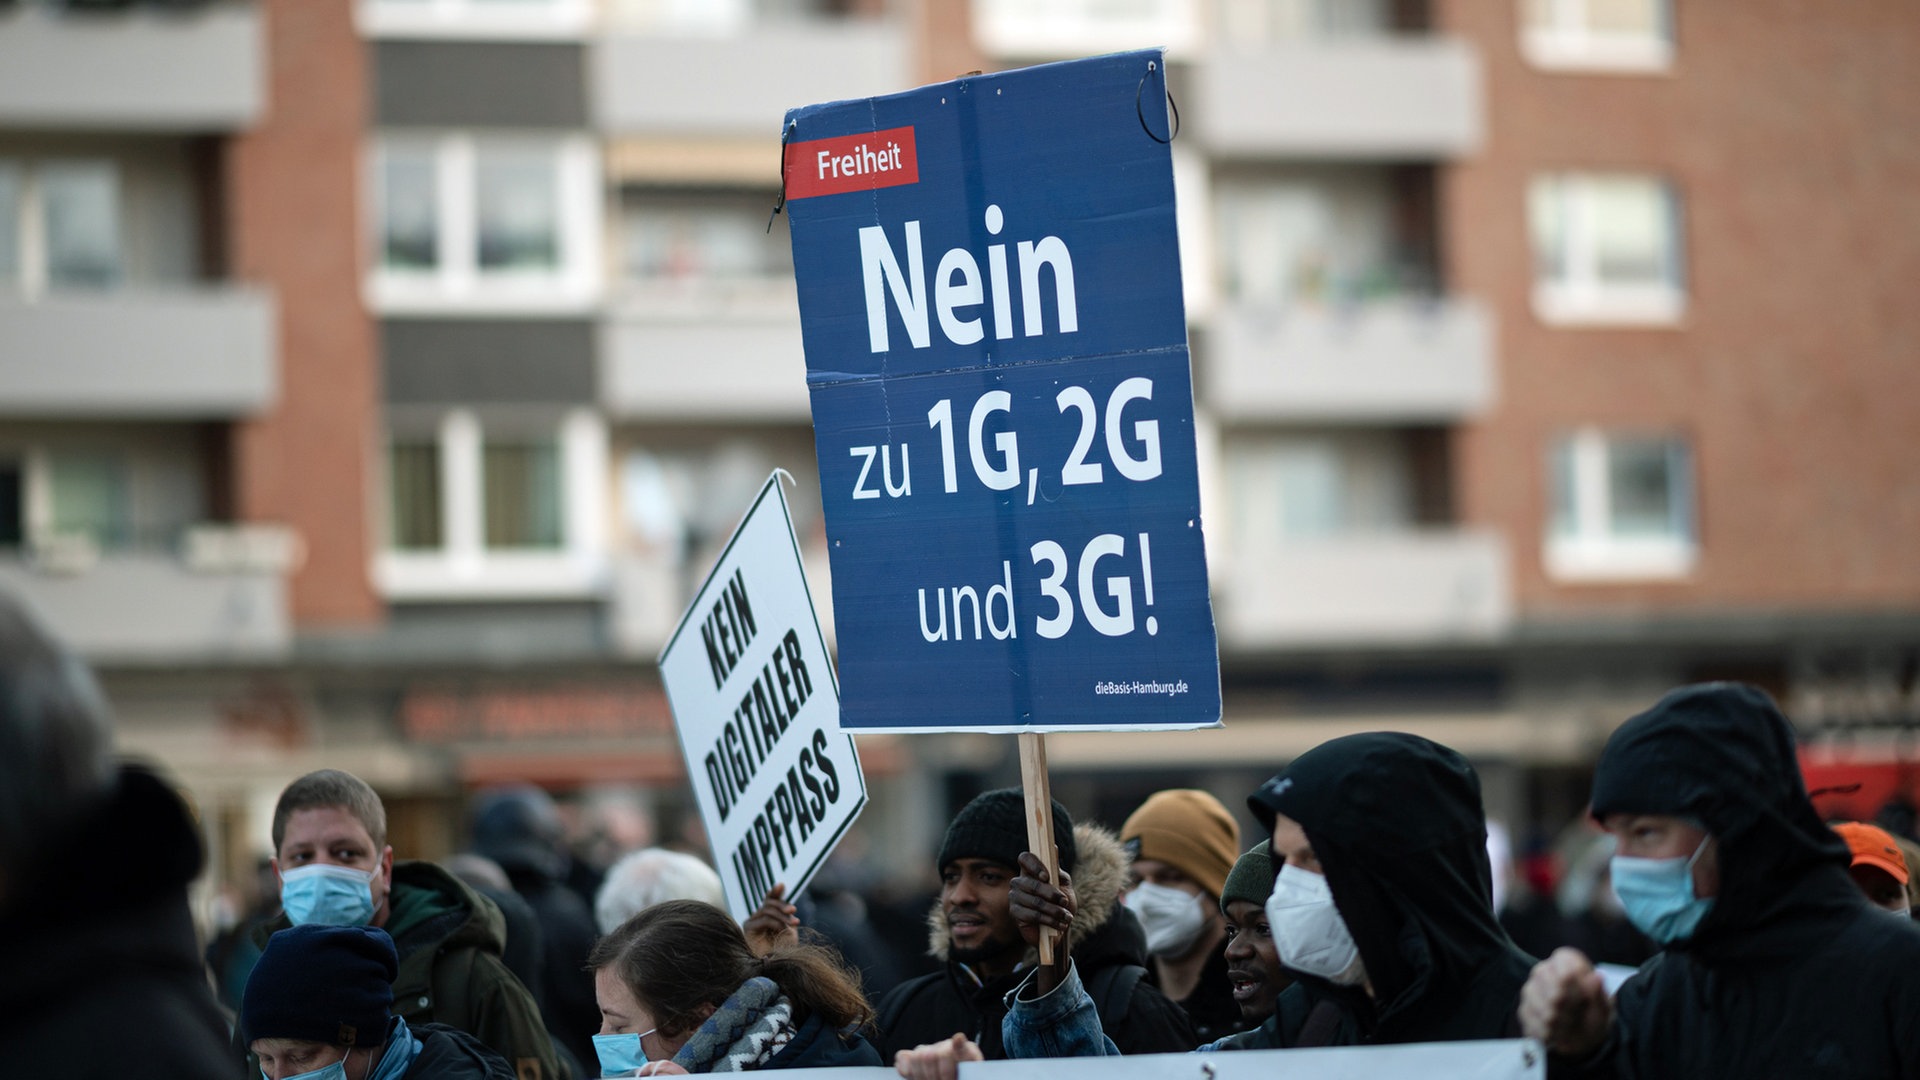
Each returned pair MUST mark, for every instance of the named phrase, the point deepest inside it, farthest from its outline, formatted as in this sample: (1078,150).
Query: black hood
(1723,755)
(1397,824)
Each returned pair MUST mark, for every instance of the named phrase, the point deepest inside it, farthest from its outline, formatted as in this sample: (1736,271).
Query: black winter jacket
(100,974)
(1792,973)
(817,1046)
(451,1054)
(1105,941)
(1397,825)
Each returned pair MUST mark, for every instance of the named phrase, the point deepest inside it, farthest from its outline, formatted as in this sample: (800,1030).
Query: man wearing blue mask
(1773,964)
(316,1008)
(336,869)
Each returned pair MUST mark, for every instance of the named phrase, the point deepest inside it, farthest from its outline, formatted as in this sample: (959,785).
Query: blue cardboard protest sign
(990,302)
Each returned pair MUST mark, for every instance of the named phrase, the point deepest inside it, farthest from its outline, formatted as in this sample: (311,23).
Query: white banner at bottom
(1491,1059)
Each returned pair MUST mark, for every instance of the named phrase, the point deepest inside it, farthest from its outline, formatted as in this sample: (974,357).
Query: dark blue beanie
(328,984)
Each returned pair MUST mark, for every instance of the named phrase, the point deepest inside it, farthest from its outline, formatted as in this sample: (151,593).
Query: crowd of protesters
(1715,926)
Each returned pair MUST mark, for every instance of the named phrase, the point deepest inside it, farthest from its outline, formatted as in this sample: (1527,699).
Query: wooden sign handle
(1033,778)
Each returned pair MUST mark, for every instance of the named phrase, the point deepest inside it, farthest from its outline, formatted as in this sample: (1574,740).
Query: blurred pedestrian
(647,877)
(1183,844)
(316,1008)
(336,869)
(1772,963)
(520,829)
(986,955)
(95,861)
(679,992)
(1879,867)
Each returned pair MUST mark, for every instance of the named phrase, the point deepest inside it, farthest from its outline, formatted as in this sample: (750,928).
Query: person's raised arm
(774,925)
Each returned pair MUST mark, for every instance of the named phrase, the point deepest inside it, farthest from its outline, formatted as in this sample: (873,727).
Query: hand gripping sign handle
(1033,778)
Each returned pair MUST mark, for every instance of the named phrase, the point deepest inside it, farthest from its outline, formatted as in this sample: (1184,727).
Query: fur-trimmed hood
(1099,876)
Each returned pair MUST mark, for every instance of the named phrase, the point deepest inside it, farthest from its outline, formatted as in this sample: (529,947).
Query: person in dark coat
(321,995)
(336,868)
(985,954)
(1381,909)
(520,829)
(1773,963)
(1183,844)
(678,986)
(1381,838)
(95,861)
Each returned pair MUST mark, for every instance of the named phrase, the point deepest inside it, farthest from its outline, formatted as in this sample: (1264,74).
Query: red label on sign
(851,163)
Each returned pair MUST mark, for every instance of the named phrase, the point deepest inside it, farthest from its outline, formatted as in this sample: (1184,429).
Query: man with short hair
(973,931)
(1772,963)
(95,861)
(336,869)
(321,995)
(1183,844)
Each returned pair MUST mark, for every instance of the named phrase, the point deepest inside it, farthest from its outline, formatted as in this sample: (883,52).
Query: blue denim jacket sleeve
(1063,1023)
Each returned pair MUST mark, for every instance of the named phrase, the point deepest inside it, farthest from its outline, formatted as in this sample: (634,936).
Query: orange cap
(1873,846)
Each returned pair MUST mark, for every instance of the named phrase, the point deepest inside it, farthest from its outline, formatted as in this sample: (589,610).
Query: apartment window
(89,496)
(13,505)
(1606,249)
(521,493)
(699,237)
(1622,507)
(483,505)
(1246,23)
(60,224)
(1628,36)
(413,487)
(1319,235)
(506,223)
(1319,486)
(1060,28)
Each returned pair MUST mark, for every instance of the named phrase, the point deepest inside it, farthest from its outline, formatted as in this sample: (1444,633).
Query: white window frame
(1593,553)
(1582,299)
(458,285)
(1567,43)
(550,20)
(464,568)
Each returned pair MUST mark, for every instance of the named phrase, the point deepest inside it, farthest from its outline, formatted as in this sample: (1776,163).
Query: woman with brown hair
(681,992)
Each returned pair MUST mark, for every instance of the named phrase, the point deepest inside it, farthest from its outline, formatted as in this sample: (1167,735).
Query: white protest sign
(758,711)
(1492,1059)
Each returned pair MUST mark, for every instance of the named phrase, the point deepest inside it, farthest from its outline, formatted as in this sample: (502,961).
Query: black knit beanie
(1252,877)
(994,826)
(328,984)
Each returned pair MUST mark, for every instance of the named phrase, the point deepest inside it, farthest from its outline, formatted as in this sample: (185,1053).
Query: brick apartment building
(377,379)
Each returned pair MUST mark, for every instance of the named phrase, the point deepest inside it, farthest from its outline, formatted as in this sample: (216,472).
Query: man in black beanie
(973,931)
(317,1006)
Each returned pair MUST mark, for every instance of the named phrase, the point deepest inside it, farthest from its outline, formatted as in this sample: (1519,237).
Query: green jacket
(450,938)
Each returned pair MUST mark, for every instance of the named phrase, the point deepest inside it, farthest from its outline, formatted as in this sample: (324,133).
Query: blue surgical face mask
(326,895)
(621,1055)
(1658,895)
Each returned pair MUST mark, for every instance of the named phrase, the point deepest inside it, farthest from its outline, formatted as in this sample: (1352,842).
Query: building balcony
(222,595)
(192,353)
(1384,98)
(705,361)
(1406,589)
(140,67)
(1406,361)
(741,84)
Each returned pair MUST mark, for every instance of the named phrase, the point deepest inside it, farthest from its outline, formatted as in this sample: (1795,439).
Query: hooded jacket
(1792,973)
(1397,825)
(97,944)
(817,1046)
(449,939)
(451,1054)
(1105,941)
